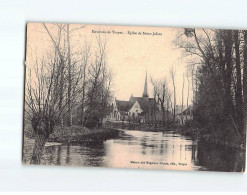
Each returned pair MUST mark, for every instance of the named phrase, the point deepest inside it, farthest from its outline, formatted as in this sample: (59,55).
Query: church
(136,109)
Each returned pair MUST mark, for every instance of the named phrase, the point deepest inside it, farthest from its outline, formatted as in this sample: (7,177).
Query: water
(150,150)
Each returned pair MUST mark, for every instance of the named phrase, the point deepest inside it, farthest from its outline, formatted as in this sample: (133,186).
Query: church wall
(136,109)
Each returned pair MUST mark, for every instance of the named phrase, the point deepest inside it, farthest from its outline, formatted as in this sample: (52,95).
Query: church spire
(145,91)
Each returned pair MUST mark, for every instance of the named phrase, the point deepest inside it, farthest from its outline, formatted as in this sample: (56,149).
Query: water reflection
(219,158)
(153,147)
(151,150)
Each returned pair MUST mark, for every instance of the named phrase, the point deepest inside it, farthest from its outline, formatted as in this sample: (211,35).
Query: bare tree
(238,94)
(188,94)
(69,75)
(161,93)
(99,84)
(172,74)
(42,101)
(68,59)
(182,115)
(245,82)
(45,97)
(86,53)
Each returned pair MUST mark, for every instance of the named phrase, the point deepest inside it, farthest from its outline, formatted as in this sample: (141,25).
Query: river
(150,150)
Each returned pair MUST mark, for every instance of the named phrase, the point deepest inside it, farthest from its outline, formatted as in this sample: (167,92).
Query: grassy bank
(75,133)
(81,134)
(137,126)
(158,128)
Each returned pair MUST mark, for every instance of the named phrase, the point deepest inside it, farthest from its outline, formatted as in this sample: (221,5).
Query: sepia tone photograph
(135,97)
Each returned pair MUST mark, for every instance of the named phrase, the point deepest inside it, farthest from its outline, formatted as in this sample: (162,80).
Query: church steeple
(145,91)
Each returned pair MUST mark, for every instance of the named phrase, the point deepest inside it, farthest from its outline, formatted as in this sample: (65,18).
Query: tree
(173,73)
(41,100)
(69,75)
(99,85)
(162,97)
(245,83)
(86,53)
(188,94)
(182,116)
(217,54)
(238,93)
(45,98)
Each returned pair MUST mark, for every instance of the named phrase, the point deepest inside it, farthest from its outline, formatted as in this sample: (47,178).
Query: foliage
(217,56)
(63,78)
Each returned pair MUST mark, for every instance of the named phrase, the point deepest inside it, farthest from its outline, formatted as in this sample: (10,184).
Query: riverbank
(28,146)
(223,139)
(138,127)
(195,133)
(63,135)
(232,142)
(77,134)
(156,147)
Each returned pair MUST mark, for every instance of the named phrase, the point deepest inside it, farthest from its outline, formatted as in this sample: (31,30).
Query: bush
(92,122)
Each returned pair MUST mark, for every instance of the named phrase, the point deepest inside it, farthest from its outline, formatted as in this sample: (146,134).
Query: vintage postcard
(135,97)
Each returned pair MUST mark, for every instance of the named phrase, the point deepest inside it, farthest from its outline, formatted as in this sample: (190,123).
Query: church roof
(144,102)
(124,105)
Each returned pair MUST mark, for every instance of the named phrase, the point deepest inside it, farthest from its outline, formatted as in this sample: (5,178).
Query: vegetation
(66,83)
(216,73)
(68,88)
(217,60)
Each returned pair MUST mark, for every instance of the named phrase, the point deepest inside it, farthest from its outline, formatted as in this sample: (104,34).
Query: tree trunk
(192,86)
(188,94)
(182,115)
(245,84)
(43,126)
(38,148)
(229,67)
(238,95)
(69,79)
(163,113)
(83,95)
(61,91)
(167,110)
(174,96)
(154,110)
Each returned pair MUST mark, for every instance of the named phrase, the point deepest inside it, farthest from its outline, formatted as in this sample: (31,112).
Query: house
(185,115)
(120,110)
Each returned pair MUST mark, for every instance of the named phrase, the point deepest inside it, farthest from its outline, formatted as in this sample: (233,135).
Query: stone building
(136,108)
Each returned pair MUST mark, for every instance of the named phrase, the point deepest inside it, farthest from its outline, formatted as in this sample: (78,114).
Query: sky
(131,51)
